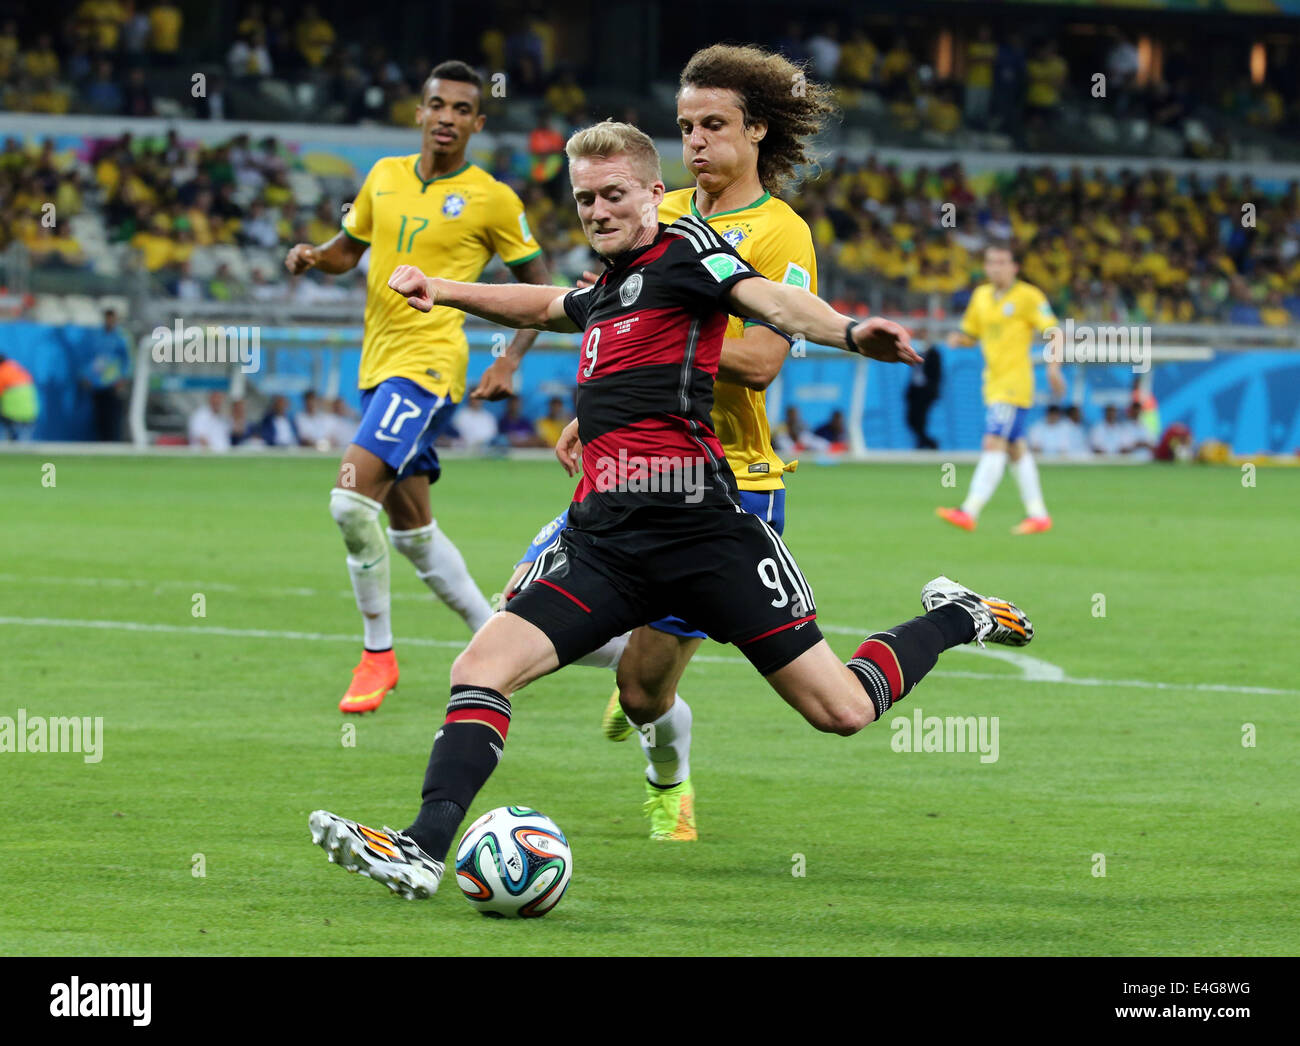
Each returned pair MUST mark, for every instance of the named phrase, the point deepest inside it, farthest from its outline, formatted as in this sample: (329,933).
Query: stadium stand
(942,149)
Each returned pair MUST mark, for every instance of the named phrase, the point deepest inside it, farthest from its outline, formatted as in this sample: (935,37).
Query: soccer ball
(514,861)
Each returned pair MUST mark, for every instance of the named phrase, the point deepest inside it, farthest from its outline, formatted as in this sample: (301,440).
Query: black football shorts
(726,572)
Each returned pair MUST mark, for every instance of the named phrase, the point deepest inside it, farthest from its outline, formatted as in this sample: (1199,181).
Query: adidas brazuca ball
(514,861)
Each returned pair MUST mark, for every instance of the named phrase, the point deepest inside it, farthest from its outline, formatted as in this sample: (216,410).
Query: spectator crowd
(940,76)
(219,425)
(1128,246)
(111,56)
(1016,79)
(209,222)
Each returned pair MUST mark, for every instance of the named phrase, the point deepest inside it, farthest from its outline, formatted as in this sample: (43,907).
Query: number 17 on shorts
(400,421)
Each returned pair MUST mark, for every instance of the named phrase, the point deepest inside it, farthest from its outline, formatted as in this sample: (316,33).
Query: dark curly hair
(772,90)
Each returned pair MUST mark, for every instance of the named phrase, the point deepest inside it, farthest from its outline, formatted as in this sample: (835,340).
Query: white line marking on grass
(213,630)
(1031,668)
(453,644)
(199,586)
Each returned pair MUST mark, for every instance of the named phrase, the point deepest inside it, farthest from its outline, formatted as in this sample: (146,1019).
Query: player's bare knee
(642,705)
(844,720)
(641,701)
(469,667)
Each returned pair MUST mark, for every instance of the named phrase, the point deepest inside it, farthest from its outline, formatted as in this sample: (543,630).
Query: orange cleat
(1033,525)
(371,681)
(956,517)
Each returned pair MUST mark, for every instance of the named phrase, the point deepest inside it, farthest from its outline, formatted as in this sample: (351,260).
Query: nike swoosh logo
(367,566)
(387,439)
(386,192)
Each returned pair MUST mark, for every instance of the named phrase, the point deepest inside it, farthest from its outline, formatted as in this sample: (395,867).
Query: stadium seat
(306,188)
(1103,128)
(82,310)
(232,257)
(203,263)
(49,308)
(109,260)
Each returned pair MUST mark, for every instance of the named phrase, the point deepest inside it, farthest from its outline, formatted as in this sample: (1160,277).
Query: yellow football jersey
(1005,326)
(778,244)
(449,226)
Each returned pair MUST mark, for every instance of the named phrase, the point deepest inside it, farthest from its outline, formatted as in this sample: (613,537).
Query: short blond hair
(611,138)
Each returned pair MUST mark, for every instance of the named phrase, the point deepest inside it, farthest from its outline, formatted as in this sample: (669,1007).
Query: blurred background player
(19,402)
(744,132)
(922,391)
(106,378)
(437,210)
(1003,317)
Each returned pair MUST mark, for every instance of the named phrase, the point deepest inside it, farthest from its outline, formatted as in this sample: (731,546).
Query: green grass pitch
(217,744)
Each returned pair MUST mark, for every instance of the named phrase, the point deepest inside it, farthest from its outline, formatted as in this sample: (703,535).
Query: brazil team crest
(734,235)
(452,205)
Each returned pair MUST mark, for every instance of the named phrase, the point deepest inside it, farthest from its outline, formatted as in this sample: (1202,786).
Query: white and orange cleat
(388,857)
(371,680)
(996,620)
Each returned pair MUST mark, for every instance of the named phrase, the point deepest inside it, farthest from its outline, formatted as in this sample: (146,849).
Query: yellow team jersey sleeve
(356,222)
(1038,310)
(448,226)
(778,244)
(508,230)
(971,323)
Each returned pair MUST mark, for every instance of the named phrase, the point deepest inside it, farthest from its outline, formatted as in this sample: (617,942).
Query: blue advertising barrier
(1248,399)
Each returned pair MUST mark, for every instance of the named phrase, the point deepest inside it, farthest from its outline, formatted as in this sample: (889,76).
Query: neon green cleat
(671,812)
(615,723)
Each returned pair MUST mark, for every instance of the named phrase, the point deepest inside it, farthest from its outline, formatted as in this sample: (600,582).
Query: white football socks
(1031,493)
(440,565)
(606,656)
(988,474)
(666,743)
(358,519)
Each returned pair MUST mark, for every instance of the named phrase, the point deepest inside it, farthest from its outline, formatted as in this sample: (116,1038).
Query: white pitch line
(212,630)
(323,637)
(198,586)
(1031,668)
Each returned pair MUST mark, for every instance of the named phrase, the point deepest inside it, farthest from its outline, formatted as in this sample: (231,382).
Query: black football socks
(465,752)
(889,664)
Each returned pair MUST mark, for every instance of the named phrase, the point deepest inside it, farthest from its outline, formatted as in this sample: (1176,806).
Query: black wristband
(848,336)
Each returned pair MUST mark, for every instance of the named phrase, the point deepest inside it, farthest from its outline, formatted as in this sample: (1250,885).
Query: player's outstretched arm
(958,340)
(754,360)
(511,305)
(801,313)
(498,381)
(340,254)
(1056,380)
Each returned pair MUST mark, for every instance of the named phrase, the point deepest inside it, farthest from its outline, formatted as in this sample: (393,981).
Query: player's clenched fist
(885,340)
(301,257)
(413,285)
